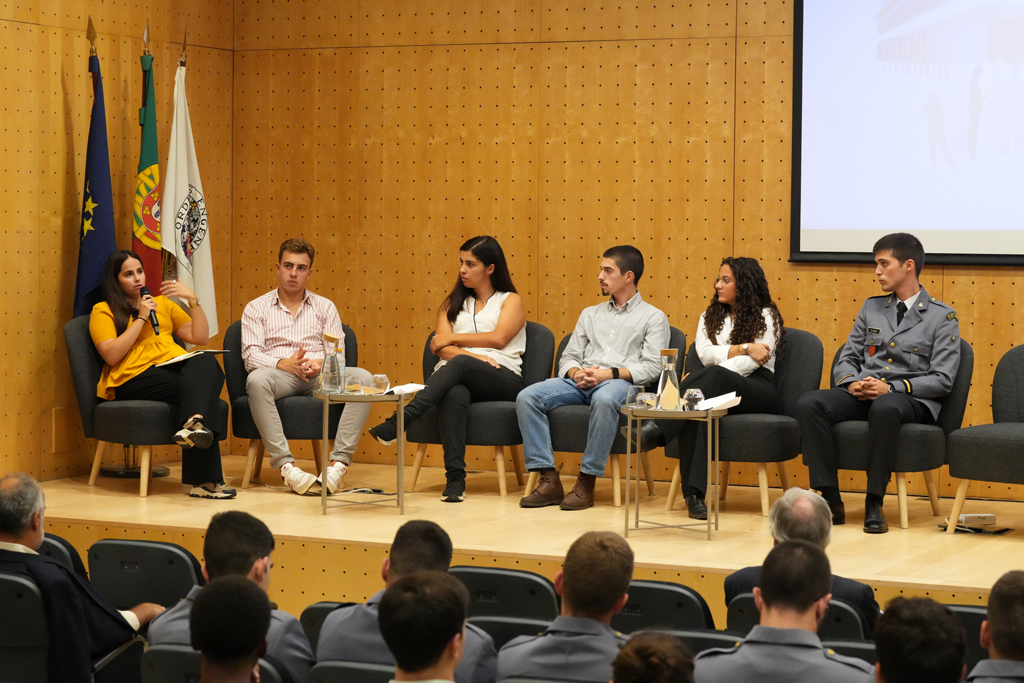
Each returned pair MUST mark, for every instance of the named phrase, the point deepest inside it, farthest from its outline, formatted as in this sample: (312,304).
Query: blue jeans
(537,400)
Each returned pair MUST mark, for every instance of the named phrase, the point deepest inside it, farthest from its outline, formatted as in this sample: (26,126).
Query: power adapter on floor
(977,519)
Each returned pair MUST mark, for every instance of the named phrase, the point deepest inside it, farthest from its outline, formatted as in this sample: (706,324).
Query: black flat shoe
(650,436)
(838,513)
(695,507)
(874,520)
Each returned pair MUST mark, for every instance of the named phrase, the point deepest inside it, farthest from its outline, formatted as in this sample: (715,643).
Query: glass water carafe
(668,383)
(332,374)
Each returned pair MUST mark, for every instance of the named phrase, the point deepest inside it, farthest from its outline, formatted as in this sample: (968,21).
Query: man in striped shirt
(283,349)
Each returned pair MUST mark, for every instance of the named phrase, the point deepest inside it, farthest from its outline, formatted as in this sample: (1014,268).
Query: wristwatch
(892,388)
(744,347)
(615,373)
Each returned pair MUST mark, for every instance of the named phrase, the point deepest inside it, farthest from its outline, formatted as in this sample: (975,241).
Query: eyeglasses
(724,280)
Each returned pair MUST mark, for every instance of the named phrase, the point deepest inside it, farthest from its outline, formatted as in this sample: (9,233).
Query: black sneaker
(454,492)
(386,432)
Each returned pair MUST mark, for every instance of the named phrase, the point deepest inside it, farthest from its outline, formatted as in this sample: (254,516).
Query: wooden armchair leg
(97,460)
(673,489)
(781,466)
(958,505)
(723,485)
(531,483)
(145,469)
(257,468)
(762,485)
(901,497)
(617,480)
(317,454)
(499,465)
(255,446)
(518,463)
(933,494)
(417,462)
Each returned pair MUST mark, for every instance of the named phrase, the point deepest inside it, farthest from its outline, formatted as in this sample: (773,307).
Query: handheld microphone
(144,291)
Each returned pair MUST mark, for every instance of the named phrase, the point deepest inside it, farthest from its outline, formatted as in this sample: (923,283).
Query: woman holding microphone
(132,348)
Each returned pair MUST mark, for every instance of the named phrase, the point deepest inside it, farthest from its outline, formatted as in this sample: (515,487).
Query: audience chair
(24,636)
(128,573)
(764,438)
(697,641)
(350,672)
(497,592)
(489,423)
(662,605)
(841,622)
(569,426)
(503,629)
(301,416)
(742,614)
(971,617)
(135,423)
(922,447)
(56,548)
(312,619)
(181,664)
(992,452)
(861,649)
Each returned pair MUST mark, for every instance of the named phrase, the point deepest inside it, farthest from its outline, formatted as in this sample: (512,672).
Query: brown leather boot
(582,495)
(548,492)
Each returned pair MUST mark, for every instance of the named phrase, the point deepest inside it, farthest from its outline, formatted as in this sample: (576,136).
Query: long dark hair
(489,252)
(752,297)
(115,297)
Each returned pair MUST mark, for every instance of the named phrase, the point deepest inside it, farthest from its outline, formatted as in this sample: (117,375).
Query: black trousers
(452,388)
(760,395)
(190,387)
(819,410)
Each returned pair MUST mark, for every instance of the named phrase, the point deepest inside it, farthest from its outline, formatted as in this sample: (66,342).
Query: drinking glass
(647,401)
(380,384)
(631,393)
(691,397)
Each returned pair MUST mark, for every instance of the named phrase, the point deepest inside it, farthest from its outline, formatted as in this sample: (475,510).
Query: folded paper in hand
(720,402)
(411,388)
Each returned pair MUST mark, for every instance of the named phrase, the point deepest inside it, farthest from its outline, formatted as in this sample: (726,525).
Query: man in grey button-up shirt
(792,597)
(615,344)
(1002,633)
(580,645)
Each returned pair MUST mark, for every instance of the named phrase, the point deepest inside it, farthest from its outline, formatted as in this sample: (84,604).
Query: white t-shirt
(471,322)
(718,354)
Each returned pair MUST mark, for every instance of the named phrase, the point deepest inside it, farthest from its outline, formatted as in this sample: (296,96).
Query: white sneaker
(335,473)
(296,479)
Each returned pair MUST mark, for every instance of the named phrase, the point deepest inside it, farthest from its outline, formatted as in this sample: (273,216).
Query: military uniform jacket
(286,641)
(919,358)
(779,655)
(997,671)
(352,634)
(572,648)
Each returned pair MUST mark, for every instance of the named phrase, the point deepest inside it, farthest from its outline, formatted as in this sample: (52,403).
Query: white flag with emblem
(185,209)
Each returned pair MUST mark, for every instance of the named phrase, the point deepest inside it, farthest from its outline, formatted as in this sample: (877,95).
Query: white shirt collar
(17,548)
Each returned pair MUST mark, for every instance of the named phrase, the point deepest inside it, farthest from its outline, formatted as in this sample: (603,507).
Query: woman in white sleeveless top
(480,338)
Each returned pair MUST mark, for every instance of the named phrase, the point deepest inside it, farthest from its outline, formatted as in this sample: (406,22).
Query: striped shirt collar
(626,307)
(275,298)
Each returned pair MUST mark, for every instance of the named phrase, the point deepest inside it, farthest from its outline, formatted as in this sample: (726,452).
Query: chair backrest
(131,572)
(508,593)
(181,664)
(56,548)
(841,622)
(662,605)
(503,629)
(86,368)
(954,404)
(861,649)
(350,672)
(1008,387)
(971,617)
(699,640)
(235,373)
(742,614)
(797,373)
(312,619)
(24,638)
(676,340)
(540,350)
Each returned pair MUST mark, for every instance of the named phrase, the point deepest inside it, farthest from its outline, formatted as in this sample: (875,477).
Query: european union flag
(97,231)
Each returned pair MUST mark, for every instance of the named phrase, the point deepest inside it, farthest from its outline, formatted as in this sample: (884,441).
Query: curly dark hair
(752,297)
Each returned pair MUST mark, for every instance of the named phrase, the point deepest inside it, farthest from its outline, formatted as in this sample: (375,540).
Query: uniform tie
(901,310)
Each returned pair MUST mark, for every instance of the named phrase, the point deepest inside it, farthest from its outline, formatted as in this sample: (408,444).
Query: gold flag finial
(184,45)
(145,39)
(90,34)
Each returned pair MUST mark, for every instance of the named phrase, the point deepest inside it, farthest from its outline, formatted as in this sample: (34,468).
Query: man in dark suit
(81,621)
(801,515)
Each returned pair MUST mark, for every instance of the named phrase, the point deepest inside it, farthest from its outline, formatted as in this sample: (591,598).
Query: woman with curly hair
(653,657)
(739,337)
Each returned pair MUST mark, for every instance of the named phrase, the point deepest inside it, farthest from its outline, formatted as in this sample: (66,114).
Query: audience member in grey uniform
(422,618)
(580,644)
(801,515)
(792,598)
(653,657)
(351,634)
(917,639)
(1002,634)
(239,544)
(228,625)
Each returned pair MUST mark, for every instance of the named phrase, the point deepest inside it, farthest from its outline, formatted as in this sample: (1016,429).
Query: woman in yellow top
(131,349)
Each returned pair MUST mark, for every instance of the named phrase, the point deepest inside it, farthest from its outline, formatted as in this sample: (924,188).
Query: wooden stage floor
(337,556)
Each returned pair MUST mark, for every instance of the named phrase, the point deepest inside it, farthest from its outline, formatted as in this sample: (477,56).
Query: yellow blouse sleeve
(177,315)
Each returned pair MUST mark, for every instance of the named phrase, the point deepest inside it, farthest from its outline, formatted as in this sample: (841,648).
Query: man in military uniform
(792,597)
(1002,633)
(898,363)
(917,639)
(580,645)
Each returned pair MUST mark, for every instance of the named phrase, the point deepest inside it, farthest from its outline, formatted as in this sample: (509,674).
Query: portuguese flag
(146,229)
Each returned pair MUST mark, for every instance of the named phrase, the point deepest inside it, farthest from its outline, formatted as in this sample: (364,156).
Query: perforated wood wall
(47,104)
